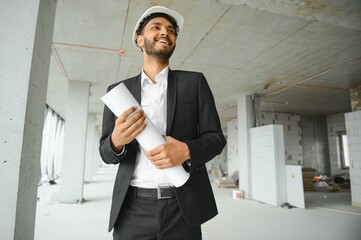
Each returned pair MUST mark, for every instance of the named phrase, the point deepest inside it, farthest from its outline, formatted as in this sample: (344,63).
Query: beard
(149,48)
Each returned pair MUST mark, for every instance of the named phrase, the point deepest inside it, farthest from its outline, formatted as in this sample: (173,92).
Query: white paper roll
(120,99)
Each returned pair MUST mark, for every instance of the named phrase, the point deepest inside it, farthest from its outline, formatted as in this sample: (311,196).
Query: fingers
(161,163)
(156,155)
(161,157)
(133,122)
(128,126)
(170,154)
(126,113)
(135,129)
(154,152)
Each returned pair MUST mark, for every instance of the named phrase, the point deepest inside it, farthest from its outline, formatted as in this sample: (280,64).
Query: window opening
(345,160)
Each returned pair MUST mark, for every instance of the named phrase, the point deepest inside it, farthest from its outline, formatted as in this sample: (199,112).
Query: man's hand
(170,154)
(125,130)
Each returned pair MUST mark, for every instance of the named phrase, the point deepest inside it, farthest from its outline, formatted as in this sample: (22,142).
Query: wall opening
(345,161)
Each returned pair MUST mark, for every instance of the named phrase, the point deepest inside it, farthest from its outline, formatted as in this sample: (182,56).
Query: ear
(140,41)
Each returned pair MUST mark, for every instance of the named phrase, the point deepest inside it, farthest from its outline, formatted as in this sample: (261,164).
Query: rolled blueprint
(120,99)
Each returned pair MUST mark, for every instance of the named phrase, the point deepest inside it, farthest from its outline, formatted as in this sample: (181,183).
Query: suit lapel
(136,89)
(171,99)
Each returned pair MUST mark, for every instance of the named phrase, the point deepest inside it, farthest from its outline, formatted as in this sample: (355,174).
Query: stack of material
(307,175)
(343,180)
(331,187)
(225,182)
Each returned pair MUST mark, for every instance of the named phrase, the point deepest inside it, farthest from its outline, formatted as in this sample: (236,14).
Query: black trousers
(151,219)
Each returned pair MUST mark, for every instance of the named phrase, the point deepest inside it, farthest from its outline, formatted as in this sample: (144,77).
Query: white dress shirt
(154,104)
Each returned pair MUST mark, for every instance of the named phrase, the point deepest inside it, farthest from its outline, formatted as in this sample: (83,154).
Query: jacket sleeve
(105,148)
(211,140)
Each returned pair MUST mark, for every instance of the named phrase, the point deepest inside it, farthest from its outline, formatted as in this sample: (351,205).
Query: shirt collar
(162,76)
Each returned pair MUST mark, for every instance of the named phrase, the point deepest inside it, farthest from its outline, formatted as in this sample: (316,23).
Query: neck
(153,66)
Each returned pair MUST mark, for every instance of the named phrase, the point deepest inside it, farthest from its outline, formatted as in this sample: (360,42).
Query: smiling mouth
(163,40)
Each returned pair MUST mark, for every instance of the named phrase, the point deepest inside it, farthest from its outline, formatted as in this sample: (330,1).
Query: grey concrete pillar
(355,94)
(26,37)
(90,145)
(72,179)
(245,122)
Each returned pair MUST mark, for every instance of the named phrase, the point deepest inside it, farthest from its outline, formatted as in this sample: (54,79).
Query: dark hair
(155,15)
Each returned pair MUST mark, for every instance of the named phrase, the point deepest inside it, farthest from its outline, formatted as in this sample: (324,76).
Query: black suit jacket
(192,118)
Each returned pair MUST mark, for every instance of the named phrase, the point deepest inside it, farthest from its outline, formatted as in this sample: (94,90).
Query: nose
(163,31)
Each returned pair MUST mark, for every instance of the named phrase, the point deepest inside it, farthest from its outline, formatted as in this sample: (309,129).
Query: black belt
(152,193)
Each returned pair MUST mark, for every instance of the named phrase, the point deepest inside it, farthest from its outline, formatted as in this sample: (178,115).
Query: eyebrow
(159,23)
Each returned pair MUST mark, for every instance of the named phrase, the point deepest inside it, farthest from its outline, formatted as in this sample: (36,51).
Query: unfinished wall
(353,128)
(232,147)
(292,134)
(335,124)
(315,144)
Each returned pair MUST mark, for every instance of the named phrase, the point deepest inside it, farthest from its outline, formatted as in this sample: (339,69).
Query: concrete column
(355,95)
(353,129)
(90,145)
(25,41)
(72,179)
(245,122)
(232,148)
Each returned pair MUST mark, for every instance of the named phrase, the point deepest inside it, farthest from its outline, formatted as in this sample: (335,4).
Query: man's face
(158,38)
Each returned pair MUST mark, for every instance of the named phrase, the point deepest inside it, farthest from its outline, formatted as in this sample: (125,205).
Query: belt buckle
(159,193)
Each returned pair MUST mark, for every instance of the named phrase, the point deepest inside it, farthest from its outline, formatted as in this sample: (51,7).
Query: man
(145,205)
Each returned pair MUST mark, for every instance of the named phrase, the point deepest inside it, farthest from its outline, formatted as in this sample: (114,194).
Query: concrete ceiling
(300,56)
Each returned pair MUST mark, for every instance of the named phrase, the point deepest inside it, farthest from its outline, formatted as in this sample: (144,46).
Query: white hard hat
(178,19)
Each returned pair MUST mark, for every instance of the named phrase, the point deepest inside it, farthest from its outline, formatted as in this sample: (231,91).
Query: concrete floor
(328,216)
